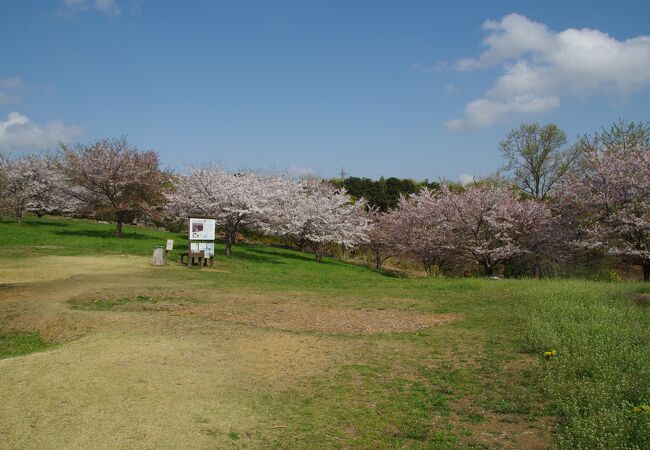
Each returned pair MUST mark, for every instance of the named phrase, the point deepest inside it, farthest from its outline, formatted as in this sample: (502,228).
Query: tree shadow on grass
(104,234)
(389,273)
(33,223)
(270,254)
(255,252)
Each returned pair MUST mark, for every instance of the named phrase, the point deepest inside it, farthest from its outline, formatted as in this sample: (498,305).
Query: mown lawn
(262,352)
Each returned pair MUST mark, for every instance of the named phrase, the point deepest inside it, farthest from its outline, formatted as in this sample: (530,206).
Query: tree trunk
(646,270)
(229,242)
(232,228)
(489,270)
(231,237)
(377,261)
(120,223)
(19,216)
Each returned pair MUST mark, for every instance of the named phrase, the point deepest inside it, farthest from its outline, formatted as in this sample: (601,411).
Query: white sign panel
(202,229)
(206,247)
(170,244)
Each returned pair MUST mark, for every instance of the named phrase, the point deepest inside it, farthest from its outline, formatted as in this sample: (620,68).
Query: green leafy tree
(537,157)
(622,136)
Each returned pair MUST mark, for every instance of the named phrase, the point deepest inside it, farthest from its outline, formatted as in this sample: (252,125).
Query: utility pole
(343,174)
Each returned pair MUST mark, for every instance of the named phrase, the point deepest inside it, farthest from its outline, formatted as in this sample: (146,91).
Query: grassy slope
(442,387)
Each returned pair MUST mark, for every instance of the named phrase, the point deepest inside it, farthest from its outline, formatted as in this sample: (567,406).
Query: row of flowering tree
(485,224)
(595,197)
(107,178)
(310,213)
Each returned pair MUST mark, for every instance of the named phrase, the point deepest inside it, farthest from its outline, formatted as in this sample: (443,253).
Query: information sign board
(202,229)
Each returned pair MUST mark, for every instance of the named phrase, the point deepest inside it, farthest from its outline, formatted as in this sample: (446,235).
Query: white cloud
(18,132)
(540,66)
(106,7)
(485,112)
(8,88)
(465,179)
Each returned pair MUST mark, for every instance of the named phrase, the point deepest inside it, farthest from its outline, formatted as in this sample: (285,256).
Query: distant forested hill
(384,192)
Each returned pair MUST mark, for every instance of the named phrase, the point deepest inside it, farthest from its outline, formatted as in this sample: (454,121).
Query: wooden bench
(198,257)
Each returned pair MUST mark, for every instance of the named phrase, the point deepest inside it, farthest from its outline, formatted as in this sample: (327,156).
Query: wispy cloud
(110,8)
(8,90)
(19,133)
(541,66)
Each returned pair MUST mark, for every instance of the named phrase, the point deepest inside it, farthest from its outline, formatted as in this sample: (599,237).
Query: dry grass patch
(49,268)
(175,388)
(300,316)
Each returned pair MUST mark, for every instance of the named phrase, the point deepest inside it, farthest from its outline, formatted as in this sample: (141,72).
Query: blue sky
(417,89)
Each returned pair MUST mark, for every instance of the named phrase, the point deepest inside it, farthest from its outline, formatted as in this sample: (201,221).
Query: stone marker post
(158,256)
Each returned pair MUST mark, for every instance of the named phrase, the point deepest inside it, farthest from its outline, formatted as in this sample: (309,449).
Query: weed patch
(16,343)
(599,368)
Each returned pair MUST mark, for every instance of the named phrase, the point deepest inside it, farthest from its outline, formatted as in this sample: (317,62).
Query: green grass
(602,368)
(61,236)
(407,389)
(16,343)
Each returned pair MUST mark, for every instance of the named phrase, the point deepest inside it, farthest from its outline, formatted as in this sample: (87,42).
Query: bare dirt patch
(300,316)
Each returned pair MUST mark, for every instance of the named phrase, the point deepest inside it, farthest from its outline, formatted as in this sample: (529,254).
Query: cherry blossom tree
(609,198)
(416,229)
(237,201)
(379,234)
(31,184)
(4,164)
(111,176)
(314,213)
(490,224)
